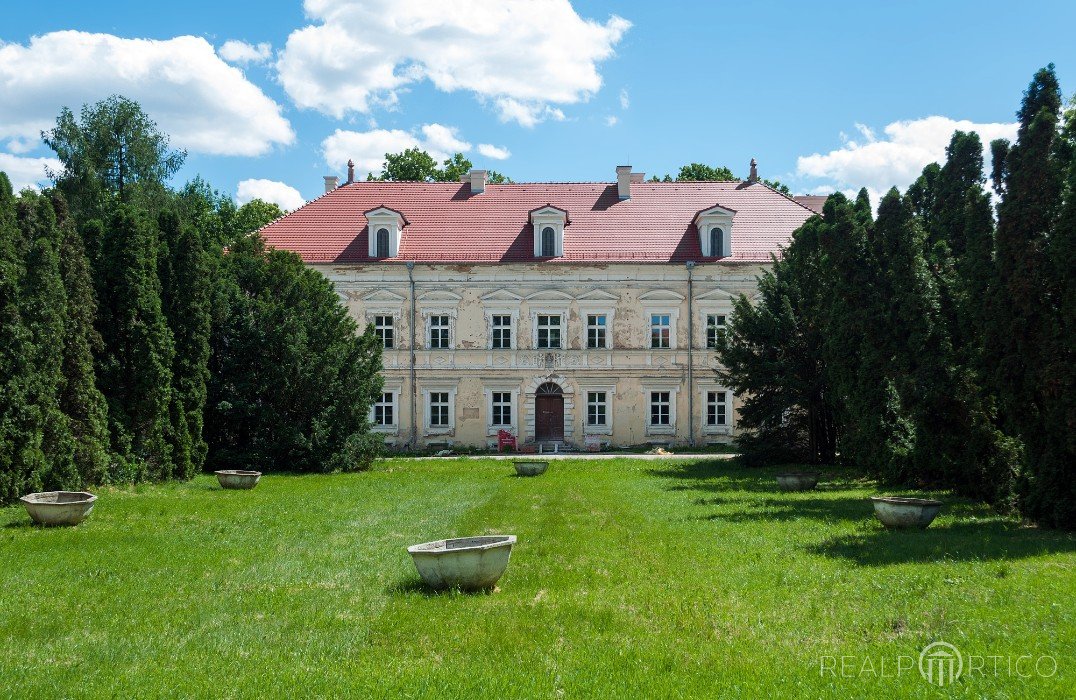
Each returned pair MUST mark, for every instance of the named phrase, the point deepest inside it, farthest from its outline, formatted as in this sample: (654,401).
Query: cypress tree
(1050,490)
(1027,354)
(874,432)
(135,365)
(184,272)
(43,301)
(20,441)
(80,399)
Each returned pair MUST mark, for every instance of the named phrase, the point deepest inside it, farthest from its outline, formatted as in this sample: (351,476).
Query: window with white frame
(597,331)
(384,411)
(717,240)
(501,330)
(717,408)
(597,409)
(549,331)
(660,330)
(549,242)
(660,408)
(384,330)
(501,409)
(438,409)
(382,243)
(439,332)
(715,328)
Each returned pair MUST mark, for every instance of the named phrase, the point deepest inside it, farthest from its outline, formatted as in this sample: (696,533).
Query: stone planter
(530,467)
(797,481)
(896,512)
(468,563)
(59,507)
(238,478)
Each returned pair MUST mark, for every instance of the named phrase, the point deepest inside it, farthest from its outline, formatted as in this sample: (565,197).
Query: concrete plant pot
(797,481)
(59,507)
(530,467)
(901,513)
(468,563)
(238,478)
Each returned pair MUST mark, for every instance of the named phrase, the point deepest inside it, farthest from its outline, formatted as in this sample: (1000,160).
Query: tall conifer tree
(138,352)
(875,434)
(20,441)
(1029,355)
(43,301)
(184,272)
(80,399)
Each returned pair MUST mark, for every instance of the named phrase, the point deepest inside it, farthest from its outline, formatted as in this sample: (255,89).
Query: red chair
(505,439)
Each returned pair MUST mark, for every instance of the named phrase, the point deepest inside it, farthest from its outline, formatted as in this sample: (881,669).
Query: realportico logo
(940,663)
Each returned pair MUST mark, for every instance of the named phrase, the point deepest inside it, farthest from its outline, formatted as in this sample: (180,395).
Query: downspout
(411,327)
(690,359)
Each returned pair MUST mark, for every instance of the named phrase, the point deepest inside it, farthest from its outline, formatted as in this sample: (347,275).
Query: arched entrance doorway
(548,412)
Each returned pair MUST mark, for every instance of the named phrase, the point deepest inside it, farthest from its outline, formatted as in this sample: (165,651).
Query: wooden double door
(548,417)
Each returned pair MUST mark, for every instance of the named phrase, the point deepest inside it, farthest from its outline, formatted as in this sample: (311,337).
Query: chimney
(638,177)
(330,182)
(623,181)
(478,181)
(350,171)
(753,177)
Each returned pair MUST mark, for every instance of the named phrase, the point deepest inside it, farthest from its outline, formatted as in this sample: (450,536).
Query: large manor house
(568,314)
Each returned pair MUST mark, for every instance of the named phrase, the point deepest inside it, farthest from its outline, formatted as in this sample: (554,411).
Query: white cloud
(368,148)
(26,172)
(443,139)
(624,101)
(611,120)
(520,56)
(203,103)
(494,152)
(235,51)
(895,160)
(526,114)
(284,195)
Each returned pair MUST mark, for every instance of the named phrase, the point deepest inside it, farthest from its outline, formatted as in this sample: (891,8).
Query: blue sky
(827,95)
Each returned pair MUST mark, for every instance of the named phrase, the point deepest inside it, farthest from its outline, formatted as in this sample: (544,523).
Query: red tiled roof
(446,223)
(814,202)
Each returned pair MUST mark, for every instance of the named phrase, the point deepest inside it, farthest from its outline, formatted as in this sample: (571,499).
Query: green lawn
(631,578)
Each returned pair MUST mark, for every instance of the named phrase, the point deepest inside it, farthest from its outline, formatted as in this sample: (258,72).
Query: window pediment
(383,295)
(597,295)
(661,297)
(716,295)
(501,296)
(549,212)
(440,295)
(549,295)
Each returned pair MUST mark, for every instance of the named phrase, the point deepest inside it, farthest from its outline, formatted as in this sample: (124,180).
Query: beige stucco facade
(446,395)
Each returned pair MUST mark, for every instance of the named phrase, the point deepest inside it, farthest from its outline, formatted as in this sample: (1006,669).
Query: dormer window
(549,223)
(715,231)
(383,243)
(717,238)
(384,226)
(549,242)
